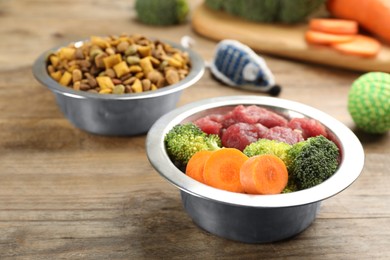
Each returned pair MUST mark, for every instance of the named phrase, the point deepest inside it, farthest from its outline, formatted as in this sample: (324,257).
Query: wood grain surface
(283,40)
(68,194)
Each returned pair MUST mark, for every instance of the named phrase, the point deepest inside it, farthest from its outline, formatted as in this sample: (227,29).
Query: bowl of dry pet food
(117,85)
(254,169)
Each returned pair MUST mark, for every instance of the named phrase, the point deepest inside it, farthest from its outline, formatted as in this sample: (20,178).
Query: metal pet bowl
(117,114)
(253,218)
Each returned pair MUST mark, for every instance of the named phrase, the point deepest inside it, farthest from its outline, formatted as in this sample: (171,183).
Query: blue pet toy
(237,65)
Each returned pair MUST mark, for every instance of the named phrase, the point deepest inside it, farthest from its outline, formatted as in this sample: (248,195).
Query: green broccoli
(265,146)
(184,140)
(158,12)
(312,161)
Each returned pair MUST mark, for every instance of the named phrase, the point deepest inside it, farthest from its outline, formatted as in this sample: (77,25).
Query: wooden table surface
(68,194)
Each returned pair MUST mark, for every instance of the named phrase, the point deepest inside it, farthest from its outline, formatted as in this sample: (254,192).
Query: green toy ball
(369,102)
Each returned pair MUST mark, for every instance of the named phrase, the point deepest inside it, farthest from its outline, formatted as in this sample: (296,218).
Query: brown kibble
(79,54)
(116,81)
(146,84)
(110,73)
(122,46)
(99,60)
(172,76)
(76,75)
(84,86)
(76,85)
(154,76)
(91,80)
(129,81)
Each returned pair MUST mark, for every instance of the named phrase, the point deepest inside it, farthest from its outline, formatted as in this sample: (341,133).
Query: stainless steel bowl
(253,218)
(118,115)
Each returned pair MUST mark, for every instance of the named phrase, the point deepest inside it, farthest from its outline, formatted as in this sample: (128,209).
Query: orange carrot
(222,169)
(195,165)
(362,46)
(334,26)
(314,37)
(373,15)
(264,174)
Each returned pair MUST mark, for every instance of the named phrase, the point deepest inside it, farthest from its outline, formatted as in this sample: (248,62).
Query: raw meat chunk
(284,134)
(255,114)
(308,126)
(209,124)
(241,134)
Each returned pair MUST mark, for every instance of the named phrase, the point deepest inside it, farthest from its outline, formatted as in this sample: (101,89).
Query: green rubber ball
(369,102)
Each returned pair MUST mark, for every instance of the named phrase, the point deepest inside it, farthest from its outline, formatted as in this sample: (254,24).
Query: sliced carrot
(363,46)
(334,26)
(222,169)
(314,37)
(264,174)
(195,165)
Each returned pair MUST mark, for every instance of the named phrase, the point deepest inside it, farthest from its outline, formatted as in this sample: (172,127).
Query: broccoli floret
(158,12)
(312,161)
(183,141)
(266,146)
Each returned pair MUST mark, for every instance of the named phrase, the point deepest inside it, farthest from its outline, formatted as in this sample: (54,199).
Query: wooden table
(65,193)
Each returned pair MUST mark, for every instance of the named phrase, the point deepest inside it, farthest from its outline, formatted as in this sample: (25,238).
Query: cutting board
(280,40)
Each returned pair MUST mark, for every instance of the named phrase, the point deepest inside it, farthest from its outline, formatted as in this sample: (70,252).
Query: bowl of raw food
(246,217)
(117,85)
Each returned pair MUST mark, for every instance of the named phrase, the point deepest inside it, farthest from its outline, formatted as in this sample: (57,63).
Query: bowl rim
(40,72)
(351,165)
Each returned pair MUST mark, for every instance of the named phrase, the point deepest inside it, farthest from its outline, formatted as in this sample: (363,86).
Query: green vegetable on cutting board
(369,102)
(162,12)
(268,11)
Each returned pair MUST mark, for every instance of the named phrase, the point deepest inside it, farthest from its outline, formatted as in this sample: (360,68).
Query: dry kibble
(121,69)
(133,60)
(145,51)
(110,73)
(172,76)
(137,86)
(132,49)
(56,75)
(91,80)
(146,84)
(118,89)
(76,75)
(122,46)
(146,65)
(118,65)
(66,78)
(112,60)
(105,82)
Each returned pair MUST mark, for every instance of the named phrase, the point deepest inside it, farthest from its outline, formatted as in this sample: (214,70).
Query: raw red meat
(211,124)
(308,126)
(255,114)
(240,135)
(284,134)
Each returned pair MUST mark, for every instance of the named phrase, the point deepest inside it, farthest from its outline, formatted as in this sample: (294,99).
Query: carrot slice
(363,46)
(315,37)
(264,174)
(222,169)
(195,165)
(334,26)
